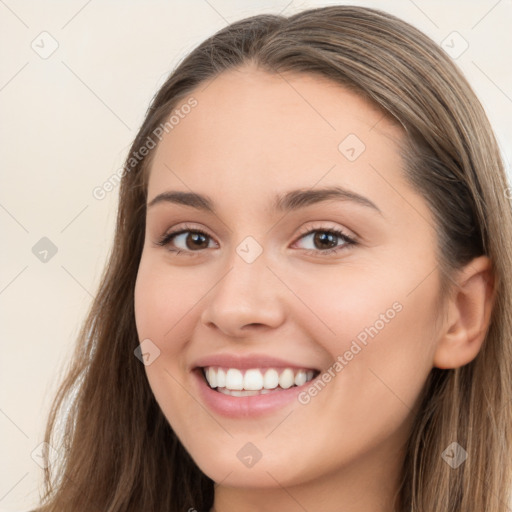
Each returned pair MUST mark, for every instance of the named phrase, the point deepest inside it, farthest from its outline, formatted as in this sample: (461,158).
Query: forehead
(254,131)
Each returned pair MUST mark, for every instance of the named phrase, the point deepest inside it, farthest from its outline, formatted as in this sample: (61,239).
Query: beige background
(67,121)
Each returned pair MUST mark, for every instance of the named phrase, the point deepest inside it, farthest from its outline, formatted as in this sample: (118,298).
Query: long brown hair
(118,452)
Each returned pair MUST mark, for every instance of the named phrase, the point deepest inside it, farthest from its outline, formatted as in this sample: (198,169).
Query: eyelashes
(168,239)
(331,232)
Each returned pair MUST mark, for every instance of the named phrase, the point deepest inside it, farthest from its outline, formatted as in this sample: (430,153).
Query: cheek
(381,340)
(346,305)
(164,298)
(380,315)
(161,306)
(162,301)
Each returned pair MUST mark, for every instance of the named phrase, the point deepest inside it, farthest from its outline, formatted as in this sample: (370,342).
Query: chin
(232,470)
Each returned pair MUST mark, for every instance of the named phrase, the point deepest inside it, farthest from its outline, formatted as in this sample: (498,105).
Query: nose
(248,297)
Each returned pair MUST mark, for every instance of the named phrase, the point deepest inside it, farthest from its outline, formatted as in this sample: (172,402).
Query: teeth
(287,379)
(212,377)
(300,378)
(243,392)
(235,382)
(253,380)
(271,379)
(221,378)
(234,378)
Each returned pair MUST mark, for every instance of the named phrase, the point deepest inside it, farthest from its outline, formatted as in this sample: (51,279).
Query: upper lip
(247,361)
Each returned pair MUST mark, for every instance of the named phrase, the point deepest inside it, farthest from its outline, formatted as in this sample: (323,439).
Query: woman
(308,302)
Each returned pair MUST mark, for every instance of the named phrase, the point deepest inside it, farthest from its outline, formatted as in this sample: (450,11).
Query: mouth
(239,382)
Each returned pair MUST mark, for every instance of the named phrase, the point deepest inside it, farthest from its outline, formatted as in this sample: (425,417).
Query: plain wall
(67,120)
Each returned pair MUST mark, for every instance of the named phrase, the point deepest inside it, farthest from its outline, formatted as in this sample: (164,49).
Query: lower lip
(245,406)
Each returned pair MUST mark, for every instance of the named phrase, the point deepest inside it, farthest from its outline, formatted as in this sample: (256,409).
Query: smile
(255,381)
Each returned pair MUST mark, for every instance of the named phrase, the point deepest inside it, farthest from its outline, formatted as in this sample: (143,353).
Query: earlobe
(468,315)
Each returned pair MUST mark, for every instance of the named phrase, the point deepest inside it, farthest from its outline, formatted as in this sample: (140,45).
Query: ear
(467,316)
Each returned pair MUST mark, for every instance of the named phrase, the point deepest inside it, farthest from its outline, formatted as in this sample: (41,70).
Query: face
(306,291)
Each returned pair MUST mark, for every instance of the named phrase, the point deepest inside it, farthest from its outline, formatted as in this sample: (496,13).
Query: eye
(325,240)
(185,240)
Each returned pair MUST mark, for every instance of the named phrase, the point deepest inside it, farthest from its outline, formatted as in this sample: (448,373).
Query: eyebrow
(292,200)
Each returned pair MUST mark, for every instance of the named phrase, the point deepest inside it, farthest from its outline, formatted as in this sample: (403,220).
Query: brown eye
(196,240)
(327,240)
(186,240)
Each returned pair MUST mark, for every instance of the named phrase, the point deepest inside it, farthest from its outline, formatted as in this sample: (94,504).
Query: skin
(251,136)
